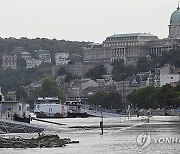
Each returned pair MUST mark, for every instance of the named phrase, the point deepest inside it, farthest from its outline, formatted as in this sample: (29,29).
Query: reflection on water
(119,136)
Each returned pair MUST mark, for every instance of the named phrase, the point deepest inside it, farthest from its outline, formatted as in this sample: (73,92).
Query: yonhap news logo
(145,139)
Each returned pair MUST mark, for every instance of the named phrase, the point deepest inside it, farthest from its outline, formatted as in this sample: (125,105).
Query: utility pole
(101,122)
(123,94)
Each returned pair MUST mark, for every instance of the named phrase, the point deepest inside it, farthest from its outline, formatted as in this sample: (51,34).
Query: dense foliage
(54,46)
(120,71)
(111,100)
(169,57)
(50,88)
(96,73)
(155,97)
(144,64)
(68,75)
(12,79)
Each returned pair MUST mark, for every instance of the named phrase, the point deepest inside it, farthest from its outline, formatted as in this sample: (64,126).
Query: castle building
(130,47)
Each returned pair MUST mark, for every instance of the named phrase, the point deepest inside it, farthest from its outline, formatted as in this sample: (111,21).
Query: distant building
(61,58)
(46,58)
(76,58)
(19,50)
(11,95)
(130,47)
(9,61)
(153,79)
(169,74)
(32,62)
(44,55)
(94,53)
(25,55)
(12,110)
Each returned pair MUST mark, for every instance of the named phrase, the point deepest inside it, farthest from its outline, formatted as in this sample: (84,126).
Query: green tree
(111,100)
(21,94)
(142,98)
(143,64)
(61,71)
(68,77)
(96,73)
(120,71)
(50,88)
(154,97)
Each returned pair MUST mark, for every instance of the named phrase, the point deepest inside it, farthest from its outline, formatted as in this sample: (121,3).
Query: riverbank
(119,139)
(42,141)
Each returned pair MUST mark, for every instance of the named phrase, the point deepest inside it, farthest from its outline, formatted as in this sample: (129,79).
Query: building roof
(175,17)
(25,53)
(47,98)
(132,35)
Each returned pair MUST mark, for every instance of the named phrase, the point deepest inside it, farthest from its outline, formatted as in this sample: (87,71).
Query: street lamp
(101,122)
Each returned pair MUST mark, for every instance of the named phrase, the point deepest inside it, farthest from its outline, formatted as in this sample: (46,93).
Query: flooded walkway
(120,136)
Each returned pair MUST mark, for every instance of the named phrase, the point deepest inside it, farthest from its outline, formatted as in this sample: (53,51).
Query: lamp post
(101,122)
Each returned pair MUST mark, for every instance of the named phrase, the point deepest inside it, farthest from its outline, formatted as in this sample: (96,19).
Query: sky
(84,20)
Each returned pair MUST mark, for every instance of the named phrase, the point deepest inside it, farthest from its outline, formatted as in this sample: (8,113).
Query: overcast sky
(84,20)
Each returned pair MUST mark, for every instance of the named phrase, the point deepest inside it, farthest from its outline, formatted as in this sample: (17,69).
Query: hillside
(30,45)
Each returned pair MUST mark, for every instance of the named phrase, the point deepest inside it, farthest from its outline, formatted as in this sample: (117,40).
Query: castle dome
(175,17)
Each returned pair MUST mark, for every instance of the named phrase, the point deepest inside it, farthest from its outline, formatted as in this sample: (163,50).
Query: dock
(47,121)
(8,126)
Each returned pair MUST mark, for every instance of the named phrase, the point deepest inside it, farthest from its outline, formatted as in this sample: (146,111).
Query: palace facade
(130,47)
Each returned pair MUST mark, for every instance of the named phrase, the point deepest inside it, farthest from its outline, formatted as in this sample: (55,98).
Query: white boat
(74,109)
(49,107)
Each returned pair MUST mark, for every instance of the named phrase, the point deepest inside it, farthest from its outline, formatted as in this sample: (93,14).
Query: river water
(120,136)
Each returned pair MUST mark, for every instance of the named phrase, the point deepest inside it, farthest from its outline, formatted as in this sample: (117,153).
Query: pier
(7,126)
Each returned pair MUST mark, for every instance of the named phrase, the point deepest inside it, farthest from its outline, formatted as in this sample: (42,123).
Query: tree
(120,71)
(68,77)
(154,97)
(143,64)
(96,73)
(61,71)
(21,94)
(111,100)
(168,57)
(50,88)
(11,79)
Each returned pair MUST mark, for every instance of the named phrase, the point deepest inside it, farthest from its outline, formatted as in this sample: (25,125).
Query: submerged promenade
(121,135)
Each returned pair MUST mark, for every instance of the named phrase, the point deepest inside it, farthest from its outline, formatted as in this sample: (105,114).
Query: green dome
(175,17)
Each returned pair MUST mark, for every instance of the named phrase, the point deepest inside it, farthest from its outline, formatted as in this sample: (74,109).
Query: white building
(25,55)
(168,75)
(8,109)
(89,83)
(9,61)
(32,62)
(61,58)
(45,57)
